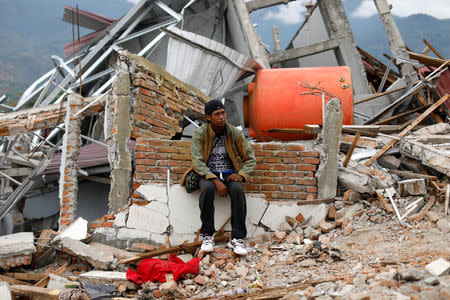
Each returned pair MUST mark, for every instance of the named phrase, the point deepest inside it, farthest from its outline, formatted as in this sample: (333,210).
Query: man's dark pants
(238,207)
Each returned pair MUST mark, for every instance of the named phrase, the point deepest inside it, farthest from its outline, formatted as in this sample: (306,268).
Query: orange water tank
(292,98)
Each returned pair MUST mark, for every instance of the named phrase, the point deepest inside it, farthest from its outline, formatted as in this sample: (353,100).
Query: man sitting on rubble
(215,147)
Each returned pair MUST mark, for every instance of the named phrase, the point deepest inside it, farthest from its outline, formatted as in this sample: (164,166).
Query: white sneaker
(238,246)
(207,244)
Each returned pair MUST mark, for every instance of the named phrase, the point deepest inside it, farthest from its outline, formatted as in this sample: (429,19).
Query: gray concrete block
(412,187)
(100,259)
(438,267)
(389,162)
(16,244)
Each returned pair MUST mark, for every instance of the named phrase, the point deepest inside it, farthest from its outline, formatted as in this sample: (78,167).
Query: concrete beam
(118,132)
(259,4)
(42,117)
(304,51)
(398,47)
(68,182)
(257,50)
(338,27)
(327,174)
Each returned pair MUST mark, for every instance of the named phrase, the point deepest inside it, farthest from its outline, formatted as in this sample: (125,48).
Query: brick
(283,167)
(141,169)
(292,188)
(294,148)
(272,174)
(270,187)
(272,147)
(309,154)
(181,157)
(284,195)
(138,155)
(284,181)
(305,167)
(259,180)
(294,174)
(311,189)
(311,161)
(147,162)
(271,160)
(306,181)
(262,167)
(293,160)
(285,154)
(263,153)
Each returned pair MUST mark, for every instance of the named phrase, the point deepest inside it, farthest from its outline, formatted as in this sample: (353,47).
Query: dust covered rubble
(363,252)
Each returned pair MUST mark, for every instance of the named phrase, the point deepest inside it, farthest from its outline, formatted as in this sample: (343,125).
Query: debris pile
(359,212)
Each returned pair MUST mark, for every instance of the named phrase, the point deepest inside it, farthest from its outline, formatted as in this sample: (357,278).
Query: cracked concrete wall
(68,182)
(117,133)
(329,139)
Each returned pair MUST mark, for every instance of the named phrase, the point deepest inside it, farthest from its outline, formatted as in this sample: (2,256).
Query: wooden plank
(424,103)
(379,95)
(433,49)
(315,201)
(447,198)
(384,203)
(304,51)
(159,252)
(406,130)
(421,215)
(427,60)
(44,281)
(408,174)
(26,276)
(37,293)
(13,281)
(385,121)
(350,151)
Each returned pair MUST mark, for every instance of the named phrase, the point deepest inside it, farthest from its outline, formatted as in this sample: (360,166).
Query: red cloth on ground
(153,269)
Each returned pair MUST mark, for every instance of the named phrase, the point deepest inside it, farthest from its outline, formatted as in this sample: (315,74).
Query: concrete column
(117,133)
(338,27)
(329,139)
(257,51)
(68,182)
(398,47)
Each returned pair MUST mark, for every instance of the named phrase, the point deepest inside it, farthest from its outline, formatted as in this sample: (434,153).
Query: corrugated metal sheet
(206,64)
(443,86)
(86,19)
(72,47)
(91,155)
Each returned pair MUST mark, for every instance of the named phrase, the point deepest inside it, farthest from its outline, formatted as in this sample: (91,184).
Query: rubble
(360,212)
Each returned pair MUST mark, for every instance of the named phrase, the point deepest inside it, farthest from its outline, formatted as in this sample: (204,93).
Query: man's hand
(235,177)
(223,191)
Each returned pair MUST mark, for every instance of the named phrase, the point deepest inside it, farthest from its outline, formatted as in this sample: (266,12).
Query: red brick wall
(284,171)
(159,105)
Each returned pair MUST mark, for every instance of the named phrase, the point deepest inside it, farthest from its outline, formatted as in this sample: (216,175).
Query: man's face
(218,118)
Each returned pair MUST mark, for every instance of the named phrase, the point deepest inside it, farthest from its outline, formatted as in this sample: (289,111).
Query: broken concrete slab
(356,181)
(16,249)
(152,217)
(277,211)
(389,162)
(58,282)
(153,192)
(5,293)
(77,230)
(428,155)
(120,220)
(118,253)
(107,277)
(412,187)
(17,243)
(100,259)
(438,267)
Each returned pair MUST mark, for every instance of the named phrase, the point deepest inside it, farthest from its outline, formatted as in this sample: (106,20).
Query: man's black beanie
(212,106)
